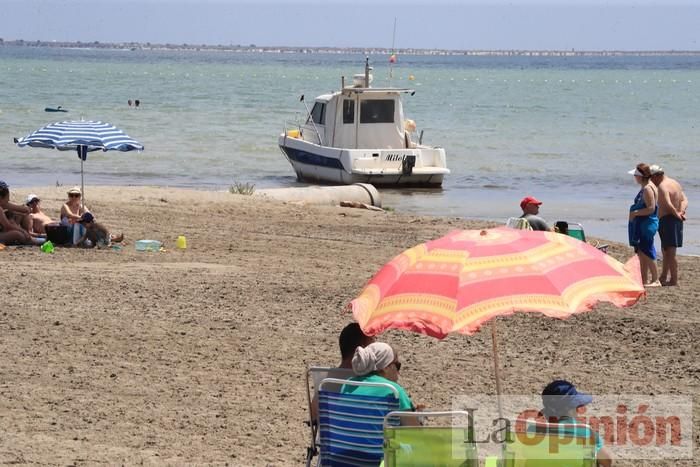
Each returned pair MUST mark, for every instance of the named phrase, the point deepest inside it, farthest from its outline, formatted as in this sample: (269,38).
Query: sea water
(563,129)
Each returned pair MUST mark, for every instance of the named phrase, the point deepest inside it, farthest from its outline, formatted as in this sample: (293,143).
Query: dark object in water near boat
(55,109)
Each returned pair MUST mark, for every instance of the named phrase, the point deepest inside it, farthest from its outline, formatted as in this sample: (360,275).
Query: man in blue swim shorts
(672,206)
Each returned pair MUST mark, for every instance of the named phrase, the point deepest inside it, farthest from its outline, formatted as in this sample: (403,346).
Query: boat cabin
(359,118)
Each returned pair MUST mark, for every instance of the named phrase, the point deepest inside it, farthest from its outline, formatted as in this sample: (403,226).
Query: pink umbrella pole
(497,368)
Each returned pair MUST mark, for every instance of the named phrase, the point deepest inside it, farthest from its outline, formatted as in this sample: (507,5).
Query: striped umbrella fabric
(82,135)
(459,282)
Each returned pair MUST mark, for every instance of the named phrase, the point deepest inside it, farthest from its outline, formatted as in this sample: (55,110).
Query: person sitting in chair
(351,337)
(531,209)
(379,363)
(560,401)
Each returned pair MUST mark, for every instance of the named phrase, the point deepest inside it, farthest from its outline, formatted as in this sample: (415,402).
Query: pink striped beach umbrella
(468,277)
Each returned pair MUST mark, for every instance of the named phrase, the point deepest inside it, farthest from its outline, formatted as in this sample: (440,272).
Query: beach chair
(540,444)
(519,223)
(314,375)
(575,230)
(444,446)
(351,427)
(572,229)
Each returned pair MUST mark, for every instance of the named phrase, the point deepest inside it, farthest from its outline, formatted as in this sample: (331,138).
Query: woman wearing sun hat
(71,212)
(643,224)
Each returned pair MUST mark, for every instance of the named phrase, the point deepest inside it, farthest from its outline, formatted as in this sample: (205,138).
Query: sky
(440,24)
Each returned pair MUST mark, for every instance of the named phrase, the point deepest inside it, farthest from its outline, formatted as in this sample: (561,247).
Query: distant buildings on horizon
(350,50)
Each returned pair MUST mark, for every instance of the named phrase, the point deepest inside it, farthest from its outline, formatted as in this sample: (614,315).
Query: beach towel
(642,229)
(77,230)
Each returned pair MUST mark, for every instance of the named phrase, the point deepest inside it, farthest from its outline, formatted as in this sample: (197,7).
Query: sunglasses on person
(74,195)
(397,364)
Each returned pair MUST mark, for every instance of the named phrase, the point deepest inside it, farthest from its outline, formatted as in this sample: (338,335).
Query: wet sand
(197,356)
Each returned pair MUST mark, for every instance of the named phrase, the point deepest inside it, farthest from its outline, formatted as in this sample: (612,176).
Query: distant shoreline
(252,48)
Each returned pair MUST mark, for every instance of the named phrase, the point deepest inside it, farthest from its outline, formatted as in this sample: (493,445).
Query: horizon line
(351,49)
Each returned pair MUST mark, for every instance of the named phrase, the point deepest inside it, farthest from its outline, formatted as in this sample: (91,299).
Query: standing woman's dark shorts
(671,231)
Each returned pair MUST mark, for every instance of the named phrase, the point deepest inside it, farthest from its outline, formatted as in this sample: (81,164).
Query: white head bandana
(374,357)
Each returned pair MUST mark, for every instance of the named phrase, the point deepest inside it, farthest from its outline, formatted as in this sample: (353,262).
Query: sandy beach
(197,356)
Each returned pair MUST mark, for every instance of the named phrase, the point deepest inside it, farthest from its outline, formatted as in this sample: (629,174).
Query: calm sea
(563,129)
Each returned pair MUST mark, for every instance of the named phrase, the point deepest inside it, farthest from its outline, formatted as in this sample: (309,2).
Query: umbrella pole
(496,367)
(82,152)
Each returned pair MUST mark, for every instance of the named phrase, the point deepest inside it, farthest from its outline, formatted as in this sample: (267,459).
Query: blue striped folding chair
(314,376)
(351,426)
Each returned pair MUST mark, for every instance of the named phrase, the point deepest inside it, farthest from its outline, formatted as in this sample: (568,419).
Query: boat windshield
(377,111)
(318,113)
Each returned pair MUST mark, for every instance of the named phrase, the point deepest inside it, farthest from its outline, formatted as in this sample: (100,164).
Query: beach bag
(59,234)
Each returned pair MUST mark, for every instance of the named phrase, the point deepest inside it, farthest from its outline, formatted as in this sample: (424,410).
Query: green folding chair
(576,231)
(572,229)
(550,445)
(440,446)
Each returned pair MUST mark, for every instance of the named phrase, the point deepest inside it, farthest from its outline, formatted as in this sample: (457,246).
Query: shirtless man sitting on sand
(672,207)
(37,216)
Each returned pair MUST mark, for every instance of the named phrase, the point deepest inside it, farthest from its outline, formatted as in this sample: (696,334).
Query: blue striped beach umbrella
(82,136)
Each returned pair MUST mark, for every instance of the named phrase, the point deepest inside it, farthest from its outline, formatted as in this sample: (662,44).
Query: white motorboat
(359,135)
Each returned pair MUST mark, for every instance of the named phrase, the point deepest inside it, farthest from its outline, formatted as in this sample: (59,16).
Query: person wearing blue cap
(560,401)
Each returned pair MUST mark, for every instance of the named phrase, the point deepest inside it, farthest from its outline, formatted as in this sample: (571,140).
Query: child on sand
(96,235)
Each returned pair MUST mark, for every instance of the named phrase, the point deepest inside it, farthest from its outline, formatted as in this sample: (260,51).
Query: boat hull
(416,167)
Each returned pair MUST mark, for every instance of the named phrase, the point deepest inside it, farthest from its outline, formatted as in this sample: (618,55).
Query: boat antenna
(309,117)
(392,57)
